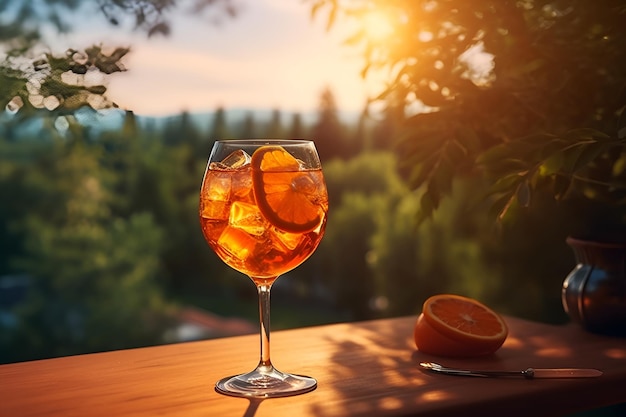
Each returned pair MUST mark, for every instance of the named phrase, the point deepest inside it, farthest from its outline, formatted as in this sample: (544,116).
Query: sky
(271,56)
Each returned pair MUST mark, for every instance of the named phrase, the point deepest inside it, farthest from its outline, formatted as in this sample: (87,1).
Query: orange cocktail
(263,206)
(263,220)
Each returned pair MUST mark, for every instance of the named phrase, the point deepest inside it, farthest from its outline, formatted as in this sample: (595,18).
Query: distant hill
(112,119)
(204,119)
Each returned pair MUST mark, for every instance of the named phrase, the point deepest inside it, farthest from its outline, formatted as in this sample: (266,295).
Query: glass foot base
(270,384)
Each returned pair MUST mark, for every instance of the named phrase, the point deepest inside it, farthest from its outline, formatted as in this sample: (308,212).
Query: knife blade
(529,373)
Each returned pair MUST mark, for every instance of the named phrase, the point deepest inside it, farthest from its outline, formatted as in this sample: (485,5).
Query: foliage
(32,81)
(219,127)
(297,129)
(529,95)
(329,131)
(105,225)
(348,276)
(360,191)
(102,226)
(274,128)
(91,272)
(386,265)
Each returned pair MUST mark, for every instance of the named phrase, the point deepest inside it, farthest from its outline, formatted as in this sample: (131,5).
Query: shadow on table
(388,367)
(393,381)
(253,406)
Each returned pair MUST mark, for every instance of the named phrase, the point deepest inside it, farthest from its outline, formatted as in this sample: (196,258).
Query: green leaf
(97,89)
(422,172)
(443,176)
(551,147)
(507,167)
(493,155)
(583,134)
(538,139)
(507,184)
(455,151)
(570,158)
(426,209)
(468,138)
(552,164)
(523,194)
(434,193)
(619,167)
(588,153)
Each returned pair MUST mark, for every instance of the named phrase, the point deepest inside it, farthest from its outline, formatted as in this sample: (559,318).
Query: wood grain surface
(363,369)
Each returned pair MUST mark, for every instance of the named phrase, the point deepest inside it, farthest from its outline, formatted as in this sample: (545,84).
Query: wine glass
(263,206)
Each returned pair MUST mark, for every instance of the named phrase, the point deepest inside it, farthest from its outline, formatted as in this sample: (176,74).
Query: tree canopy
(530,93)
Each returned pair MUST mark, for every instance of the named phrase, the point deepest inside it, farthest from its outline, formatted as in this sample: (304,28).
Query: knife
(530,373)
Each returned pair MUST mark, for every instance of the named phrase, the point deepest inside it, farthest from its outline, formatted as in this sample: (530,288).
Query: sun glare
(377,26)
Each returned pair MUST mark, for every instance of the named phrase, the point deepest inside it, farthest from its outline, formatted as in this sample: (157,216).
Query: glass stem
(265,364)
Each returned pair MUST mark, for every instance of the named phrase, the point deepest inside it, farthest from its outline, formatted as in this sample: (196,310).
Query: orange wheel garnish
(452,325)
(284,194)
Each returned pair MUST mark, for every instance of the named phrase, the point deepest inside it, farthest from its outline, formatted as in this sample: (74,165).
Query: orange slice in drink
(284,194)
(456,326)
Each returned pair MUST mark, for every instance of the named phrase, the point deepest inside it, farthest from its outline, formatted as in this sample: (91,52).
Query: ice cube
(247,217)
(215,210)
(217,186)
(242,184)
(284,240)
(237,242)
(237,159)
(215,195)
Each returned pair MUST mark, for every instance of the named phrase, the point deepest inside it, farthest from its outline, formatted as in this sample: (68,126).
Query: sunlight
(480,65)
(390,403)
(513,343)
(436,395)
(616,353)
(377,26)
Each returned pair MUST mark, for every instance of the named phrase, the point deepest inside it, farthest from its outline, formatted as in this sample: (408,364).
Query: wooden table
(363,369)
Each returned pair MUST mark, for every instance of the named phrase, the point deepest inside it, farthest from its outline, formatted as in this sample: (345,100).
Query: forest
(101,244)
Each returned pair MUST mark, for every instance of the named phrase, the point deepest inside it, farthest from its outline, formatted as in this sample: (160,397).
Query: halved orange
(284,194)
(456,326)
